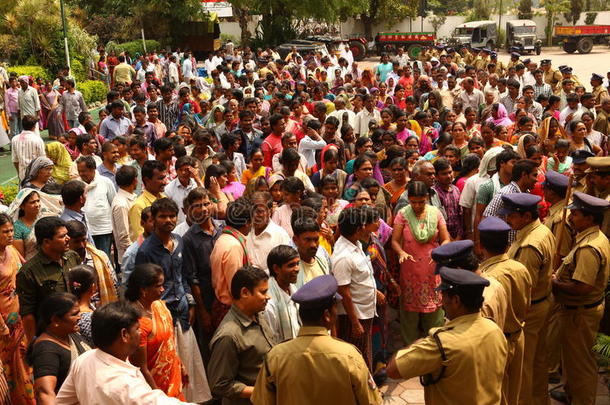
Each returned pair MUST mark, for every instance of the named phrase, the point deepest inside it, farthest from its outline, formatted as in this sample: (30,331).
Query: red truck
(582,37)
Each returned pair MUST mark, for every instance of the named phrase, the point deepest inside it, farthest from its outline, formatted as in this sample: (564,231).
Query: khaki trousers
(577,332)
(511,385)
(535,375)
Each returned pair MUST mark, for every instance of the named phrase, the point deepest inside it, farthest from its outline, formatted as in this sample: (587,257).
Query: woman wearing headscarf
(216,118)
(62,161)
(38,176)
(368,78)
(499,116)
(25,211)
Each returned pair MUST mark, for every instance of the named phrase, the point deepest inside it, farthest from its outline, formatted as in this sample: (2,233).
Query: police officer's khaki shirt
(552,77)
(476,352)
(517,283)
(534,247)
(314,368)
(553,221)
(599,93)
(481,63)
(495,302)
(587,262)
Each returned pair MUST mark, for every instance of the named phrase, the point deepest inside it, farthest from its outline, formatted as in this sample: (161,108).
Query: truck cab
(477,34)
(521,35)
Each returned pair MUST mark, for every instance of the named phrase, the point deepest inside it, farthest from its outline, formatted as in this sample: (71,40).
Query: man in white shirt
(26,146)
(28,102)
(172,71)
(264,234)
(571,110)
(187,179)
(354,273)
(311,142)
(104,375)
(470,96)
(364,117)
(127,181)
(187,67)
(100,193)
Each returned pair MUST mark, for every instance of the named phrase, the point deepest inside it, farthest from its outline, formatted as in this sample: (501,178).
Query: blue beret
(452,249)
(586,202)
(595,76)
(556,181)
(580,156)
(545,62)
(515,55)
(493,225)
(456,278)
(565,69)
(317,293)
(527,61)
(519,202)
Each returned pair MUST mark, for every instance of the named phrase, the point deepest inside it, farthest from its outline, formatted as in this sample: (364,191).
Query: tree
(437,21)
(525,10)
(388,12)
(553,7)
(573,13)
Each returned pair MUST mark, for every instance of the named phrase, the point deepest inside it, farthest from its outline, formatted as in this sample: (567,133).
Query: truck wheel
(584,45)
(569,47)
(414,51)
(358,50)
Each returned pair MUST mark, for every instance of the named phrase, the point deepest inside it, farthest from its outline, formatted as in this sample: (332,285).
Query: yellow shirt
(534,247)
(587,262)
(144,200)
(552,77)
(311,270)
(517,283)
(314,368)
(123,73)
(476,351)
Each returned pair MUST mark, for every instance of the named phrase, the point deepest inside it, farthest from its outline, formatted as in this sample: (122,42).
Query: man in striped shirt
(26,146)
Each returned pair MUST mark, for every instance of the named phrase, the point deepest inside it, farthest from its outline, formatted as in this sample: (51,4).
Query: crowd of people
(225,220)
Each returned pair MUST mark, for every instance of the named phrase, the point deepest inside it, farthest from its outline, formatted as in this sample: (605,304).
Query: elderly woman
(38,176)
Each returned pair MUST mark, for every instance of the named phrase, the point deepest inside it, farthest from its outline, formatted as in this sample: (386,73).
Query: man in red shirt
(273,143)
(406,81)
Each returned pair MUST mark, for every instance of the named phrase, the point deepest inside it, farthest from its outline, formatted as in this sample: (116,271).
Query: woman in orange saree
(13,344)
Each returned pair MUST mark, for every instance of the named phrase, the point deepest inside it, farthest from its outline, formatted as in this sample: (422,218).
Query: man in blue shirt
(115,124)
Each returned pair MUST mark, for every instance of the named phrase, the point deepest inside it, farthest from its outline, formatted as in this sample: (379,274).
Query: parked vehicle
(303,47)
(521,34)
(582,37)
(476,34)
(412,42)
(359,46)
(201,37)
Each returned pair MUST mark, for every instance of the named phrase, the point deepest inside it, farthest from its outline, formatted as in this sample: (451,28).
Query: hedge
(8,192)
(133,47)
(30,70)
(93,90)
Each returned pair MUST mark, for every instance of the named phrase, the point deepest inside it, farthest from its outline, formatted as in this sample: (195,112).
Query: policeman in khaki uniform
(480,63)
(551,76)
(460,255)
(599,174)
(580,167)
(599,91)
(566,73)
(463,361)
(555,189)
(315,368)
(514,60)
(534,247)
(579,286)
(517,282)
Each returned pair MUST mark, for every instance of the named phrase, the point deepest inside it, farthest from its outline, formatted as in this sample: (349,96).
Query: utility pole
(500,18)
(65,27)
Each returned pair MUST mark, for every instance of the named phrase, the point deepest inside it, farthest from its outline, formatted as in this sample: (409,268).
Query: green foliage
(93,90)
(525,10)
(553,7)
(9,192)
(573,13)
(590,18)
(133,47)
(224,38)
(602,349)
(437,21)
(481,10)
(501,37)
(28,70)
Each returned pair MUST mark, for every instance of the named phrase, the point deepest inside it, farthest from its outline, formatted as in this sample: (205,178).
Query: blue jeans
(15,124)
(103,242)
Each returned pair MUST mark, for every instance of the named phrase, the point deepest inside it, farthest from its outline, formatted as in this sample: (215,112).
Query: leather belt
(587,306)
(539,300)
